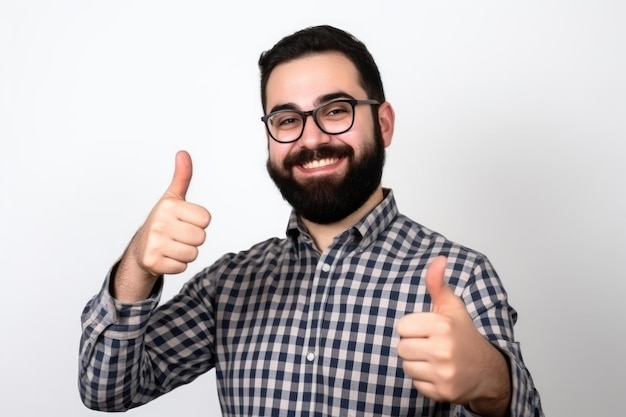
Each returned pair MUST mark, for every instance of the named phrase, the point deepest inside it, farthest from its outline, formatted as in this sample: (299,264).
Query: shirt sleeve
(488,305)
(133,353)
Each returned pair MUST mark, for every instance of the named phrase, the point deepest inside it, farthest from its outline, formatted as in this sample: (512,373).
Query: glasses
(333,118)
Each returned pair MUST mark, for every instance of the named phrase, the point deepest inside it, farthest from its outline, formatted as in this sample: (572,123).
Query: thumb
(436,286)
(183,170)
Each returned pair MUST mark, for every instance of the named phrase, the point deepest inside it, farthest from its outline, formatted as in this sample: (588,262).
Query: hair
(319,39)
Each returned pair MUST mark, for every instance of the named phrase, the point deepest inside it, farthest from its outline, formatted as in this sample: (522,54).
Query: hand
(170,237)
(167,241)
(445,355)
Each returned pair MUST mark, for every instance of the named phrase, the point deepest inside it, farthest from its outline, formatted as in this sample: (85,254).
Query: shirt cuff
(119,320)
(524,397)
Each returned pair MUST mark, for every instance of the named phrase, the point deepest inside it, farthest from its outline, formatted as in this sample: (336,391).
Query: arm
(133,353)
(118,324)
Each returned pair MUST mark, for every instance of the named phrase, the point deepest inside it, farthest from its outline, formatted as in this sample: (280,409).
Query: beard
(329,198)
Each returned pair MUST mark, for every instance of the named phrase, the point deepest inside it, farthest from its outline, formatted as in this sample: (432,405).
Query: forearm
(114,380)
(130,283)
(112,356)
(494,397)
(133,353)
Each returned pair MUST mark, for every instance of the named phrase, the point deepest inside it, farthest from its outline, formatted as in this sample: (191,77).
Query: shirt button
(310,357)
(325,267)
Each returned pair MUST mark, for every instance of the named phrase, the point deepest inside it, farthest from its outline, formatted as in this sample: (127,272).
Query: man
(358,311)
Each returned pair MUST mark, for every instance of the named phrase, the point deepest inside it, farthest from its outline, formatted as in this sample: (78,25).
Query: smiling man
(357,311)
(329,170)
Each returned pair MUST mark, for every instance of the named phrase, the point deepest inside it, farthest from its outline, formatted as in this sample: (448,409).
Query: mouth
(320,160)
(320,163)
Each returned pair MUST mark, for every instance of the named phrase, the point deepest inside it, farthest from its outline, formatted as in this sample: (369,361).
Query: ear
(386,119)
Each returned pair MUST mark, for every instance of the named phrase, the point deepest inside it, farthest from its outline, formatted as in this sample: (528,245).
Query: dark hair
(318,39)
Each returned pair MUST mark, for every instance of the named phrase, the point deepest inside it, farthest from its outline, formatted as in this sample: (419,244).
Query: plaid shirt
(294,332)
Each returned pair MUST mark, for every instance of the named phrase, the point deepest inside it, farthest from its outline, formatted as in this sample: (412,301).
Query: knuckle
(447,375)
(445,326)
(167,204)
(150,261)
(401,349)
(206,219)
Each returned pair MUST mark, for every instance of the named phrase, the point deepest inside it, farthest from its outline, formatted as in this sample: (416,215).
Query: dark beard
(329,199)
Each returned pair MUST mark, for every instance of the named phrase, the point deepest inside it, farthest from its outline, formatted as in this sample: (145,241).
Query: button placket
(318,297)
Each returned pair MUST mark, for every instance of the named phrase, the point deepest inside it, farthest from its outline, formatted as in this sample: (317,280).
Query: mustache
(304,156)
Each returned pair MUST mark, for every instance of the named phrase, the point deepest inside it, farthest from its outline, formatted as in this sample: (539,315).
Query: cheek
(357,139)
(277,153)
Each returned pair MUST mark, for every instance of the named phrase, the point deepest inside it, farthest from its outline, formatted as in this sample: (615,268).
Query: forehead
(303,81)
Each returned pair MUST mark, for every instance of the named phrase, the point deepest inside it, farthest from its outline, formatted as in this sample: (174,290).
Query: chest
(319,333)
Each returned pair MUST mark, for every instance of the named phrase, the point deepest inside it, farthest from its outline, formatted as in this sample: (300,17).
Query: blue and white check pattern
(292,332)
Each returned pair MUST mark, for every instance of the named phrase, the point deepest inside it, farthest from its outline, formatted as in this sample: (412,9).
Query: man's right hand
(167,241)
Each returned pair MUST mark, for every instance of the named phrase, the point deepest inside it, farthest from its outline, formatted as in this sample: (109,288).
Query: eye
(336,110)
(286,120)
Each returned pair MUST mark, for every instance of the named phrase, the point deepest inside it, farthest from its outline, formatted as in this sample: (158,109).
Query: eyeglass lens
(332,118)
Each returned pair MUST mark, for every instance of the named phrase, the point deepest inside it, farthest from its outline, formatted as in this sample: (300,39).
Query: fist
(170,237)
(442,351)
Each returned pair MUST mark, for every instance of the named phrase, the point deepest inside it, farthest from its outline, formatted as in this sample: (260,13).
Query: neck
(323,234)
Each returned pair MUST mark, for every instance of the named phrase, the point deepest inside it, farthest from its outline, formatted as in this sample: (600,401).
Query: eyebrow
(320,100)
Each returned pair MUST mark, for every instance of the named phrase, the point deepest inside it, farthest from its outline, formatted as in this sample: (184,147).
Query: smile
(320,163)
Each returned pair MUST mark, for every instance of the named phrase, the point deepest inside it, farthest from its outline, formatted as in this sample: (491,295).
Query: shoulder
(426,240)
(415,240)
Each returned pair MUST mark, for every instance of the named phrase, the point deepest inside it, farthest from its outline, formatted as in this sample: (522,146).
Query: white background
(511,122)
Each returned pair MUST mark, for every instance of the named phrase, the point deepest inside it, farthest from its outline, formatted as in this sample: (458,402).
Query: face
(324,177)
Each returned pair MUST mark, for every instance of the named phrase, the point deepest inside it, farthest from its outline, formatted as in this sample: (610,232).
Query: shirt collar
(367,229)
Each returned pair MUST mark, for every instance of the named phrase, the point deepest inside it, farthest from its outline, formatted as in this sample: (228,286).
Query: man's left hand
(443,352)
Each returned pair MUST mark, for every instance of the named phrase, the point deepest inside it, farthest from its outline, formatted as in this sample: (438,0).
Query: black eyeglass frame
(313,114)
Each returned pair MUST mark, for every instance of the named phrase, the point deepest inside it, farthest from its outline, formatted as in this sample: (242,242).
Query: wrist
(129,282)
(494,398)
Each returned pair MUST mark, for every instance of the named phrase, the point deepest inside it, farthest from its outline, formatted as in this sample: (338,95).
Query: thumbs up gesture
(167,241)
(445,355)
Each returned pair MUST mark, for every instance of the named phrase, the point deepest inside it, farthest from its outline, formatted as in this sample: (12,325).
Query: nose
(312,135)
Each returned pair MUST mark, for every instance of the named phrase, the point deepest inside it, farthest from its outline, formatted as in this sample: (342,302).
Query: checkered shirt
(294,332)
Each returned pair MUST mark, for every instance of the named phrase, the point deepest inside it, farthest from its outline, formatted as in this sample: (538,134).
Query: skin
(166,242)
(442,351)
(446,356)
(303,84)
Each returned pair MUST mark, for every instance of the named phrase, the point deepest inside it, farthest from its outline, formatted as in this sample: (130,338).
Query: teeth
(320,163)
